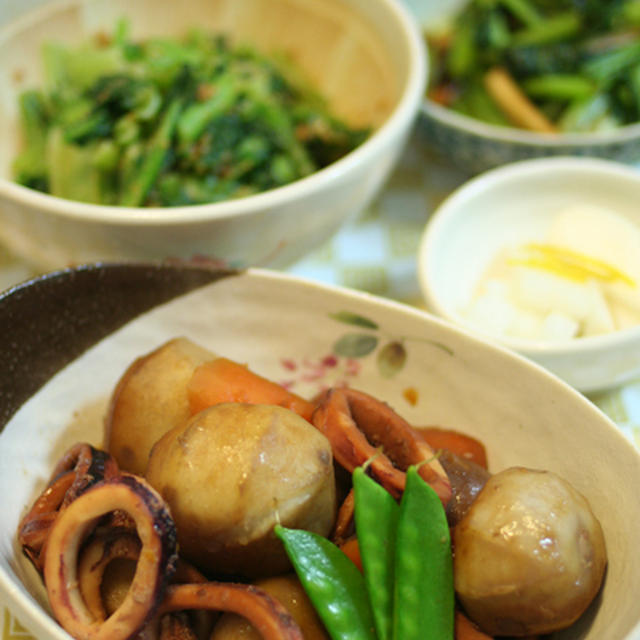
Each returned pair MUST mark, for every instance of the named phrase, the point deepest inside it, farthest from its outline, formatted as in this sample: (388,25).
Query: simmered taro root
(529,554)
(231,473)
(288,590)
(151,398)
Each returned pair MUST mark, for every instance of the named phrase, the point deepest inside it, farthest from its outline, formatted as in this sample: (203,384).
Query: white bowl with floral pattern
(59,372)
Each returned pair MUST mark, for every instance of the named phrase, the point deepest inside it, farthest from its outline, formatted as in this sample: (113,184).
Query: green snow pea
(376,515)
(424,595)
(333,583)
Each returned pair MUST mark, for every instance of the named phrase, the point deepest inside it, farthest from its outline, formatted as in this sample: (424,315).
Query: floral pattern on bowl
(342,365)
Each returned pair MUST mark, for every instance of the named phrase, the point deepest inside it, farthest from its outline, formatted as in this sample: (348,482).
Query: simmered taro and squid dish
(221,505)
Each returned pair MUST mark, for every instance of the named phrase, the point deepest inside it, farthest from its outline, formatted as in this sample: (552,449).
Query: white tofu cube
(491,312)
(558,326)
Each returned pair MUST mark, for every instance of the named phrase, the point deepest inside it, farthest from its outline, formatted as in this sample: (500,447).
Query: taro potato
(529,554)
(149,399)
(231,473)
(290,593)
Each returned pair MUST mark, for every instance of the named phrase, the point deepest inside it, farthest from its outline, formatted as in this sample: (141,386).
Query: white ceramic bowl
(507,207)
(475,146)
(367,58)
(524,415)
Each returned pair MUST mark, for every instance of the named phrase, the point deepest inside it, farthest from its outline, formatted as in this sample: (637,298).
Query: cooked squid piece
(529,554)
(198,623)
(265,613)
(34,527)
(344,525)
(357,424)
(90,465)
(81,467)
(156,532)
(176,625)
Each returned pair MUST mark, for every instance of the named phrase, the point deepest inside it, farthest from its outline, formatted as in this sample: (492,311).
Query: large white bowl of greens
(242,131)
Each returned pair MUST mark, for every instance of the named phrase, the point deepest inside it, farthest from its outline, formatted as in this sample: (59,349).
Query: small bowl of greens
(241,131)
(529,78)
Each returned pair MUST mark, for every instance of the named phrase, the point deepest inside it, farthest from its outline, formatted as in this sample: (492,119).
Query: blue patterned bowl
(476,146)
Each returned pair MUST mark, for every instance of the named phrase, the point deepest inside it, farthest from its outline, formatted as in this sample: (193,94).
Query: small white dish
(513,205)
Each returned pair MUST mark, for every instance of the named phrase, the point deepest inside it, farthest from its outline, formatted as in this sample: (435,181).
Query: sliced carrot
(444,94)
(466,630)
(459,443)
(352,551)
(223,380)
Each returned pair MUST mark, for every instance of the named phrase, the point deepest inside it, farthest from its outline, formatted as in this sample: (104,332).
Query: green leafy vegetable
(170,122)
(576,61)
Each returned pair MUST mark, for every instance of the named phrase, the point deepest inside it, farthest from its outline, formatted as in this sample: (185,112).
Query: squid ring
(356,423)
(344,519)
(265,613)
(90,465)
(80,467)
(156,562)
(34,527)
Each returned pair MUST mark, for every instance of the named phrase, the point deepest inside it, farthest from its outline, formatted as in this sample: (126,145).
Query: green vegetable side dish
(406,589)
(171,122)
(576,62)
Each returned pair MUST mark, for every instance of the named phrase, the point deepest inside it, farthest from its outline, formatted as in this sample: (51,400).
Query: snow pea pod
(424,595)
(333,583)
(376,516)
